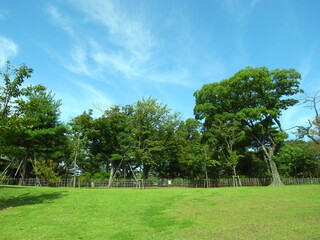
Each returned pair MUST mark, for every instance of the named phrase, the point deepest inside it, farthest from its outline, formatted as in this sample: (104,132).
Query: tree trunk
(269,153)
(276,181)
(207,180)
(265,158)
(236,178)
(111,176)
(23,171)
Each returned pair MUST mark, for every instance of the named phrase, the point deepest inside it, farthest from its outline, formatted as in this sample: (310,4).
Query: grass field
(290,212)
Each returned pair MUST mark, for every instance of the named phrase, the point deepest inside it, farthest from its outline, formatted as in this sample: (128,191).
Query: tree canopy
(236,132)
(254,97)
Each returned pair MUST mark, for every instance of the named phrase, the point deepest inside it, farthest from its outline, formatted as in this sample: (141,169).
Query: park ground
(288,212)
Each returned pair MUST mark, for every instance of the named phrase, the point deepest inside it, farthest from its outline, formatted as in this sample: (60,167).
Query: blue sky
(100,52)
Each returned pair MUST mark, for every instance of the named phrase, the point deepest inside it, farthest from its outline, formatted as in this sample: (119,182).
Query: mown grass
(290,212)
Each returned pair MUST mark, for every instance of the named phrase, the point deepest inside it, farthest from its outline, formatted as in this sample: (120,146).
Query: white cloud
(133,40)
(4,13)
(2,16)
(239,9)
(65,23)
(91,98)
(306,63)
(130,48)
(309,70)
(128,32)
(79,61)
(8,49)
(239,13)
(93,95)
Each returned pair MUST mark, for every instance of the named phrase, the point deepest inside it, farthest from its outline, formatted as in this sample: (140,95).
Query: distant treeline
(236,132)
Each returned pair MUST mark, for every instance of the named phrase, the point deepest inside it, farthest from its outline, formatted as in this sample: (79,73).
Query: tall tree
(39,132)
(255,98)
(153,127)
(29,119)
(114,141)
(228,135)
(195,158)
(10,90)
(80,140)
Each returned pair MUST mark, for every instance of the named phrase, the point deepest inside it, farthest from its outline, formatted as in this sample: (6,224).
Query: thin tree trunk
(23,171)
(74,181)
(111,176)
(236,178)
(207,180)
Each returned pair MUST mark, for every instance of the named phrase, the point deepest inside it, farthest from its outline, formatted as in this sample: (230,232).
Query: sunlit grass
(290,212)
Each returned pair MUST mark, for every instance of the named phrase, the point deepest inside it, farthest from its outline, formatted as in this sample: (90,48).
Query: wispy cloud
(81,52)
(8,49)
(79,61)
(129,48)
(309,70)
(94,98)
(305,66)
(62,21)
(133,41)
(3,14)
(93,95)
(239,12)
(130,33)
(87,97)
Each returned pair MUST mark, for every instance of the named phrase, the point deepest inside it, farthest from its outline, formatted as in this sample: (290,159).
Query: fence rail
(147,183)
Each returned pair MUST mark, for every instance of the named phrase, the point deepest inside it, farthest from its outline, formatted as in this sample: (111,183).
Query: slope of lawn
(290,212)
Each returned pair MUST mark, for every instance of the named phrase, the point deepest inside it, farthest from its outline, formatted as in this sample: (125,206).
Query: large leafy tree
(254,97)
(153,127)
(195,158)
(10,90)
(113,142)
(80,141)
(228,136)
(29,122)
(39,132)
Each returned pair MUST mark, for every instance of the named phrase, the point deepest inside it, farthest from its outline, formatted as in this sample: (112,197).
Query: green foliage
(12,87)
(153,128)
(236,123)
(253,97)
(80,135)
(29,120)
(47,170)
(298,159)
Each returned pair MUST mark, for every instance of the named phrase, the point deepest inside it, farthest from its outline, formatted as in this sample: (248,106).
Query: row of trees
(236,131)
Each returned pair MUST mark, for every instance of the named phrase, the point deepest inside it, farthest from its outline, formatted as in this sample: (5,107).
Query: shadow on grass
(29,199)
(157,216)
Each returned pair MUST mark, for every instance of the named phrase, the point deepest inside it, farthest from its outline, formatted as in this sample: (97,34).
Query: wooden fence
(148,183)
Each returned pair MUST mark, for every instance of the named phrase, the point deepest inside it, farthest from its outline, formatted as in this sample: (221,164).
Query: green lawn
(290,212)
